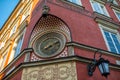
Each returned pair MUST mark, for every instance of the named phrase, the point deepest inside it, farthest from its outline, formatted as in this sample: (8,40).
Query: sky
(6,8)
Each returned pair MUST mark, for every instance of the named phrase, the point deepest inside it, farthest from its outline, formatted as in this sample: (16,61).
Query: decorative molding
(96,14)
(27,57)
(107,23)
(101,1)
(10,70)
(105,20)
(57,61)
(83,46)
(57,71)
(71,3)
(83,11)
(114,6)
(72,7)
(98,17)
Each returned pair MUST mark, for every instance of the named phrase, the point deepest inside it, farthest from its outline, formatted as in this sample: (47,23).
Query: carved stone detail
(60,71)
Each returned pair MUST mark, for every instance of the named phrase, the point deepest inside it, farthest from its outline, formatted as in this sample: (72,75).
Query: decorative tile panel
(37,58)
(49,24)
(46,25)
(34,57)
(59,71)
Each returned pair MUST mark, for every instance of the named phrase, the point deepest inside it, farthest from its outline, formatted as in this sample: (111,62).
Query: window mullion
(113,42)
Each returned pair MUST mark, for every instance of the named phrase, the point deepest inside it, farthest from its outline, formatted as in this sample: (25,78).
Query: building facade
(58,39)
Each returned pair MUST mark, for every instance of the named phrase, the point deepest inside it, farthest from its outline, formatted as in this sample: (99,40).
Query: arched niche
(49,25)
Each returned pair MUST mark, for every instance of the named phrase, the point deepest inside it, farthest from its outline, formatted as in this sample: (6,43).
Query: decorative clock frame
(50,25)
(49,44)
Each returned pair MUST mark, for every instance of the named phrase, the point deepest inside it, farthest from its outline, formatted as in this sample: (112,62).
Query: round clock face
(49,44)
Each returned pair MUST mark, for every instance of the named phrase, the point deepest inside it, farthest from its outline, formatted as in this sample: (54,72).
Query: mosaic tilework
(50,24)
(37,58)
(46,25)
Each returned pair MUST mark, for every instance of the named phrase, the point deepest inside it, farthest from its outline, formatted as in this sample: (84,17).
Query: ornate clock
(49,44)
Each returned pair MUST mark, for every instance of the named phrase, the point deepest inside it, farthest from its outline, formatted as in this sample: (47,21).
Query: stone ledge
(74,58)
(105,20)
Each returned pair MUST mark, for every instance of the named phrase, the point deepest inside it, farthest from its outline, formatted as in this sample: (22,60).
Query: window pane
(96,7)
(75,1)
(112,40)
(103,11)
(115,2)
(99,7)
(3,62)
(118,14)
(113,49)
(18,47)
(117,43)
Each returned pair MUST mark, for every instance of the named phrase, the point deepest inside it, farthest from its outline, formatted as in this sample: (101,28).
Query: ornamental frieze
(59,71)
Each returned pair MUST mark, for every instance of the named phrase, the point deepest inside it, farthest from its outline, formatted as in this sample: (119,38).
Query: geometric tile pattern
(37,58)
(50,24)
(34,57)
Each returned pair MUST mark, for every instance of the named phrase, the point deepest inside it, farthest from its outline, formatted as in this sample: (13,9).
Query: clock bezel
(60,37)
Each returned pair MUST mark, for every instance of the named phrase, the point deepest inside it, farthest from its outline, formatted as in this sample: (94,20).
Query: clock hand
(47,46)
(56,42)
(50,45)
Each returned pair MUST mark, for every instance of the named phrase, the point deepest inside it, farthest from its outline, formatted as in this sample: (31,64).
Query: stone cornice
(53,61)
(114,6)
(71,6)
(105,20)
(80,9)
(83,46)
(101,1)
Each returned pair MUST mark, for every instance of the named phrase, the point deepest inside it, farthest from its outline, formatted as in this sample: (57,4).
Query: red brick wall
(82,73)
